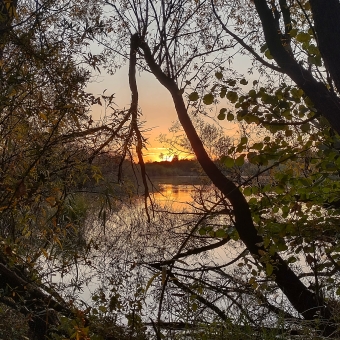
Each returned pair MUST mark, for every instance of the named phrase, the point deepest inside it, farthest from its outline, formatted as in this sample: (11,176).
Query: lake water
(175,195)
(128,227)
(128,242)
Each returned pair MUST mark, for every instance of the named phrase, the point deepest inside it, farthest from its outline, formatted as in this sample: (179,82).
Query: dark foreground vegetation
(256,252)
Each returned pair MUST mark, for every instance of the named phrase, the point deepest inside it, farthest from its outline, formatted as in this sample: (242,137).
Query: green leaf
(247,191)
(243,82)
(244,140)
(239,161)
(228,161)
(231,82)
(232,96)
(208,99)
(288,133)
(315,60)
(221,115)
(193,96)
(202,231)
(282,246)
(269,269)
(219,75)
(220,233)
(223,92)
(258,146)
(252,93)
(268,99)
(151,280)
(303,37)
(293,32)
(230,117)
(103,309)
(242,113)
(280,189)
(292,259)
(308,102)
(253,201)
(263,48)
(213,88)
(305,127)
(232,232)
(268,55)
(312,49)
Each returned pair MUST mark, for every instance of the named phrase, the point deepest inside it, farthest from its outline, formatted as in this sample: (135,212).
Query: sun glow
(157,154)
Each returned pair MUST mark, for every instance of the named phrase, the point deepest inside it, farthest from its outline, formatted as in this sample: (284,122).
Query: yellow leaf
(262,252)
(44,252)
(68,106)
(11,91)
(56,239)
(51,200)
(43,116)
(28,234)
(150,281)
(11,9)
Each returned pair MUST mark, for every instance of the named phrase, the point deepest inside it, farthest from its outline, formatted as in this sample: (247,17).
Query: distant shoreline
(179,180)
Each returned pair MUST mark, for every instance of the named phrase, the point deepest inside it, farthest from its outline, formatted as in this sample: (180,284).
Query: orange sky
(156,104)
(155,101)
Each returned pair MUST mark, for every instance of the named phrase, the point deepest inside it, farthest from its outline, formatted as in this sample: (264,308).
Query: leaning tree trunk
(307,303)
(325,100)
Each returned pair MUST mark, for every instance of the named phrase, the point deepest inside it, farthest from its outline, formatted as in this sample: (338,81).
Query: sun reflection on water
(178,196)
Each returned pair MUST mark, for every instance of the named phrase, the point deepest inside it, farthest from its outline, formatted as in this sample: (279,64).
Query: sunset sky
(154,100)
(156,104)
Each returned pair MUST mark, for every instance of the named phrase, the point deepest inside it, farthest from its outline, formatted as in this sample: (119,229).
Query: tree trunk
(303,300)
(326,15)
(325,101)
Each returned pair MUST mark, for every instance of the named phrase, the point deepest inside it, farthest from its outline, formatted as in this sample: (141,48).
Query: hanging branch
(110,139)
(134,113)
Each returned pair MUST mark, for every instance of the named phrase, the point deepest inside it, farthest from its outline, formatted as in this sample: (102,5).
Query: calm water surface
(176,195)
(173,194)
(177,191)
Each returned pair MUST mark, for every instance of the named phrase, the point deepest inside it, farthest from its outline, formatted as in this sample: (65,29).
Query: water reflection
(129,240)
(176,195)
